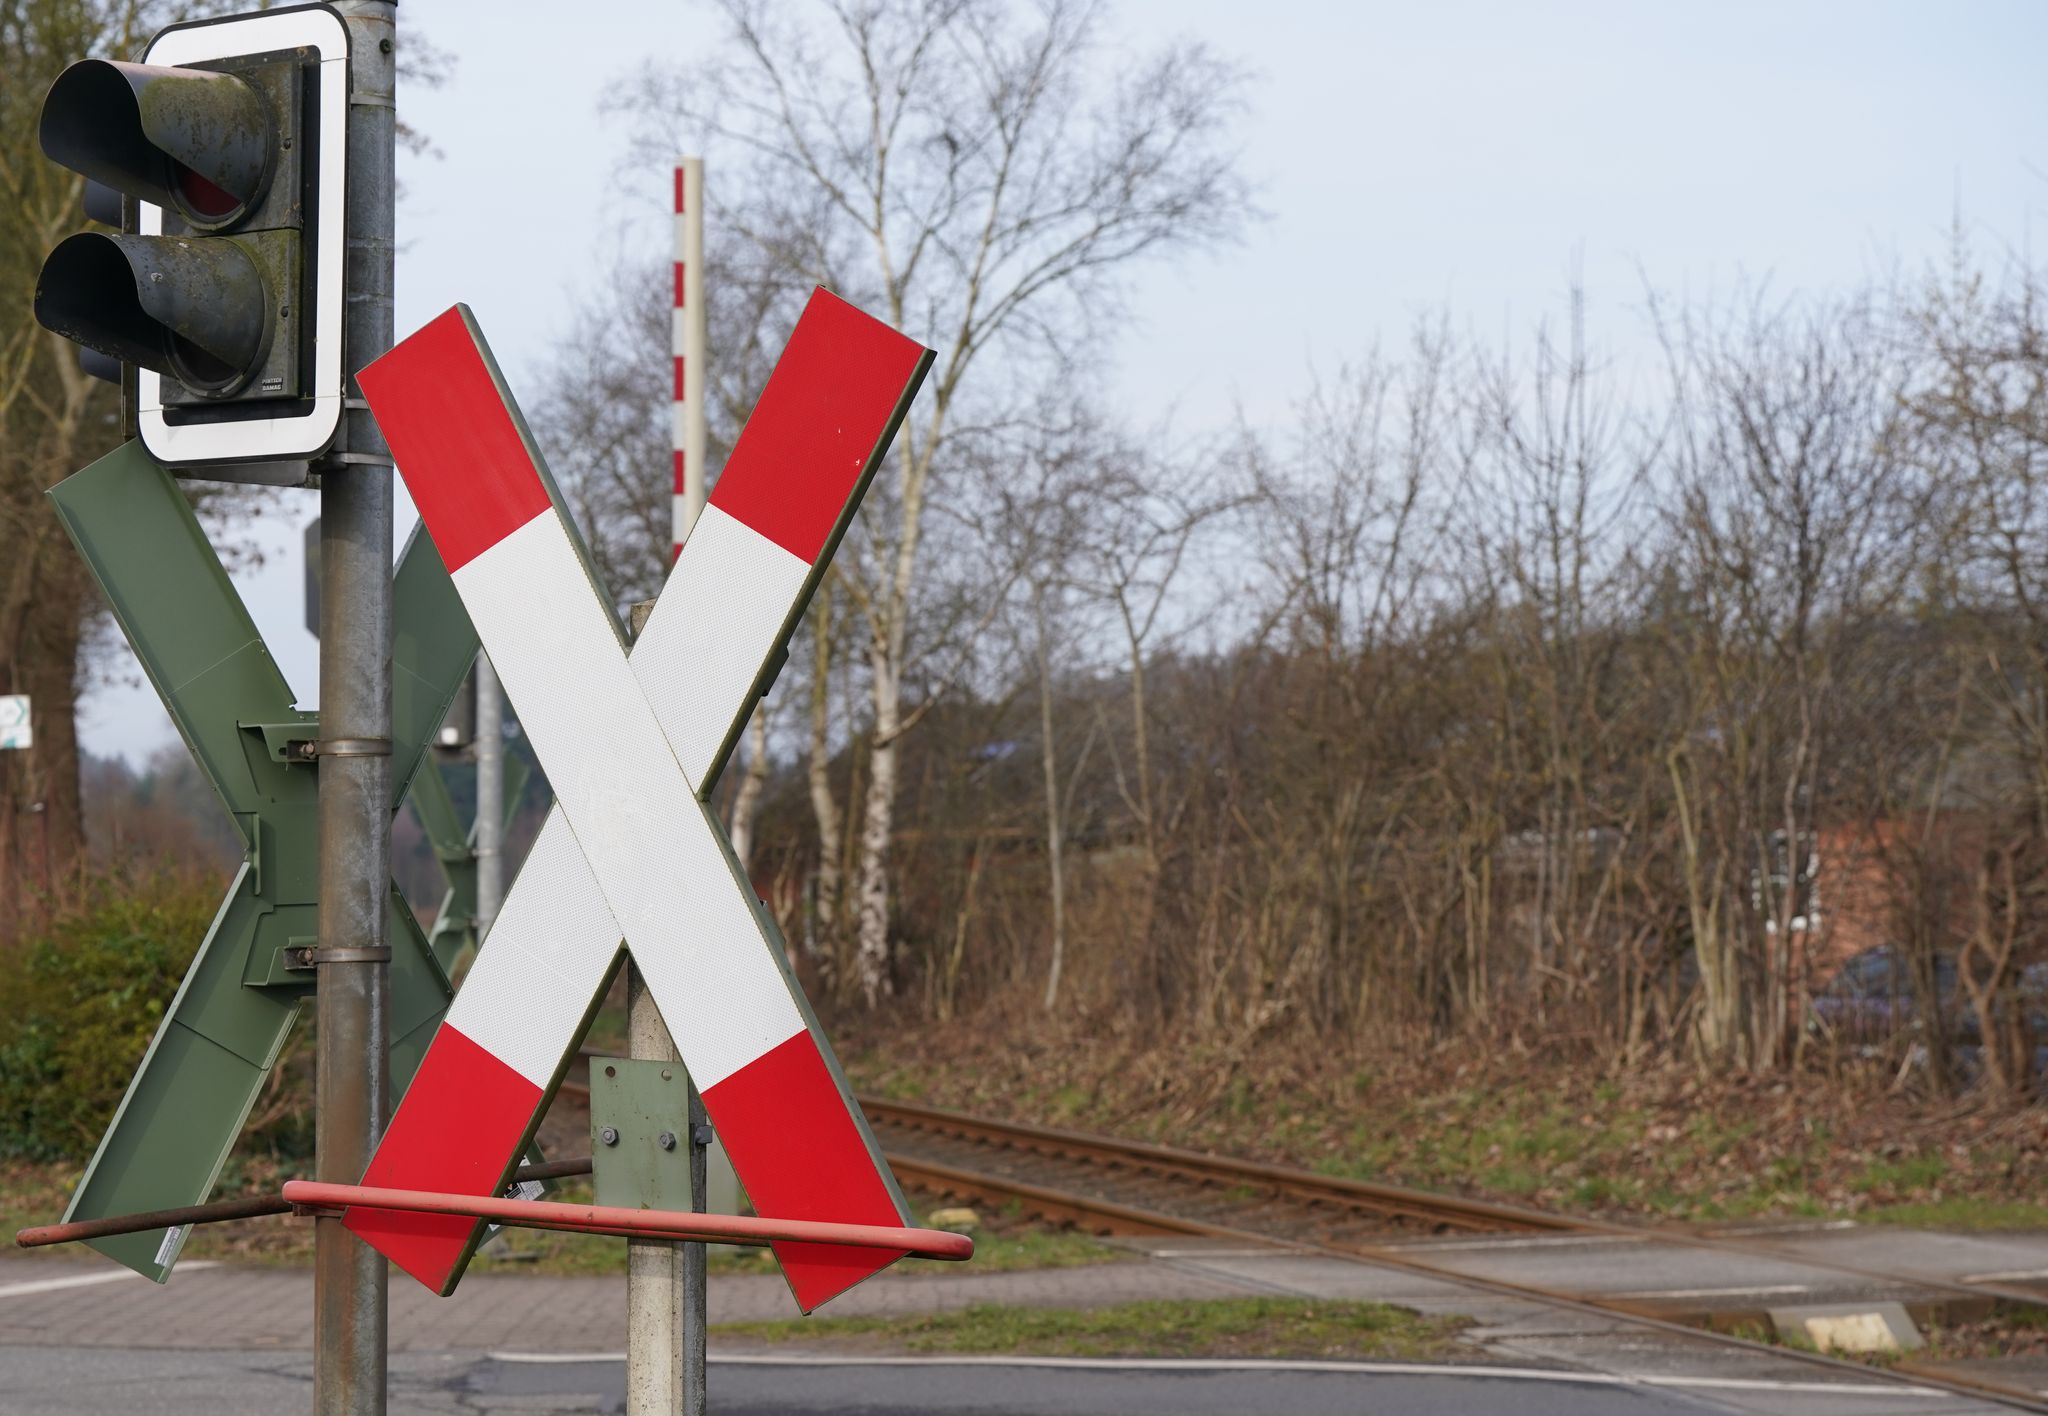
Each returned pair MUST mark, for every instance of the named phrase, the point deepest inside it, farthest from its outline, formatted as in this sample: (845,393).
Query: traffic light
(223,287)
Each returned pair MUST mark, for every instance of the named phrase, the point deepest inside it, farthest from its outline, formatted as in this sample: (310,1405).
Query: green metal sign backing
(222,1034)
(453,936)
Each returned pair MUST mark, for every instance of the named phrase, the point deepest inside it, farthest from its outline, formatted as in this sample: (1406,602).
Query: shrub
(80,1001)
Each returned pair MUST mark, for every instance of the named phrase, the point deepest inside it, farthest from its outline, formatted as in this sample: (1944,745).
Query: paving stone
(272,1308)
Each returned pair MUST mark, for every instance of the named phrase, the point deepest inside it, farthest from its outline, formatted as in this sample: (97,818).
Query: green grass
(31,1195)
(1011,1251)
(1910,1173)
(594,1255)
(1961,1212)
(551,1251)
(1265,1327)
(1599,1154)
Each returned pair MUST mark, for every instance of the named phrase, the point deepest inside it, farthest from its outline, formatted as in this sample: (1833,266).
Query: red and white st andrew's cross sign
(630,744)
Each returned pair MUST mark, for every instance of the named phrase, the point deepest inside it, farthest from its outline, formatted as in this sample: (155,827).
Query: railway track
(1111,1186)
(1106,1185)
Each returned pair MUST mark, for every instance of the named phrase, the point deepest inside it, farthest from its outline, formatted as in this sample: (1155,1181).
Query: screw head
(666,1140)
(609,1135)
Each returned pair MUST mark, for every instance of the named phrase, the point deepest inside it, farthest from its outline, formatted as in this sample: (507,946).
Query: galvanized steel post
(696,1274)
(349,1297)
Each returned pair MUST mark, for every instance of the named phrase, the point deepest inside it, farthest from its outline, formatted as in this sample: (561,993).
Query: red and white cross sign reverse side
(630,745)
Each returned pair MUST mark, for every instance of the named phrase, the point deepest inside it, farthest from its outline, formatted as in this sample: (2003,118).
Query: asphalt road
(100,1381)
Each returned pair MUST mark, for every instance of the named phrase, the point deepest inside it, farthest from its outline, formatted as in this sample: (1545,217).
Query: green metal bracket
(283,741)
(173,1131)
(453,936)
(639,1133)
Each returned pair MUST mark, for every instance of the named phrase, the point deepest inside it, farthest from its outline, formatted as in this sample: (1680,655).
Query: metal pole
(696,1273)
(349,1313)
(490,796)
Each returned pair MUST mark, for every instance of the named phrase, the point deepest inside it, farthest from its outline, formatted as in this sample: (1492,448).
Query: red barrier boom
(631,1223)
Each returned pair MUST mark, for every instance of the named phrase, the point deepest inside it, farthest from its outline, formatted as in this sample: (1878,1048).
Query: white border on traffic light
(306,435)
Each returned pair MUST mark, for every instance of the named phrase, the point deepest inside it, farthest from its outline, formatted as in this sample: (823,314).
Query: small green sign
(16,731)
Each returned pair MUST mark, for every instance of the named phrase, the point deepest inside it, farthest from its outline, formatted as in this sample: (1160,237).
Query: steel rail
(1309,1185)
(1202,1167)
(953,1179)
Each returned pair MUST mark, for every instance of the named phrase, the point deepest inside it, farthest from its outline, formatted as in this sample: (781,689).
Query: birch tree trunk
(825,932)
(872,962)
(1054,846)
(746,803)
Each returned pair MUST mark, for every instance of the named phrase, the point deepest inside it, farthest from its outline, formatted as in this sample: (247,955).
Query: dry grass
(1647,1142)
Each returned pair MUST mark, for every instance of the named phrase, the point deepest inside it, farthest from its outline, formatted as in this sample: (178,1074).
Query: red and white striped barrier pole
(688,340)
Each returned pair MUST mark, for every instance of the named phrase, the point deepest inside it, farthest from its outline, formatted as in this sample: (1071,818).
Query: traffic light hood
(192,309)
(200,143)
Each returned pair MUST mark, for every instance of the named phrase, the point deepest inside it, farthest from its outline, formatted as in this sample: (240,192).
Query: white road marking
(1768,1230)
(1758,1288)
(2006,1276)
(1235,1364)
(87,1280)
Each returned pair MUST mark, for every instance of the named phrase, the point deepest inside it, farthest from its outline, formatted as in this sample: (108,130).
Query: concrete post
(666,1297)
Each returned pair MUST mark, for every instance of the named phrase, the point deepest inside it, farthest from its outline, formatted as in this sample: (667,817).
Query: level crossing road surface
(81,1335)
(61,1381)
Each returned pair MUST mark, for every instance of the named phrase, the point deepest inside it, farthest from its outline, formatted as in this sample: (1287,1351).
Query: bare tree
(1559,471)
(1984,410)
(53,420)
(977,174)
(1790,501)
(1349,520)
(1138,538)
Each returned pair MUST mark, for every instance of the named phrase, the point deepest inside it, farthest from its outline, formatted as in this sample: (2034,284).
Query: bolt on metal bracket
(639,1110)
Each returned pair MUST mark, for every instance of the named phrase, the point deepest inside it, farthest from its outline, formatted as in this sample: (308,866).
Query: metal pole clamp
(346,747)
(311,958)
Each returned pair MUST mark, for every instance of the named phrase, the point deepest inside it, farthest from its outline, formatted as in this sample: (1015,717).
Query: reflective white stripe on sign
(543,956)
(725,606)
(657,856)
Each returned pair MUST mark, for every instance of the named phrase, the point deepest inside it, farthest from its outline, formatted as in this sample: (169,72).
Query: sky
(1468,158)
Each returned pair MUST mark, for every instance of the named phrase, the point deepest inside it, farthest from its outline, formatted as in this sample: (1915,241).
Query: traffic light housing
(224,287)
